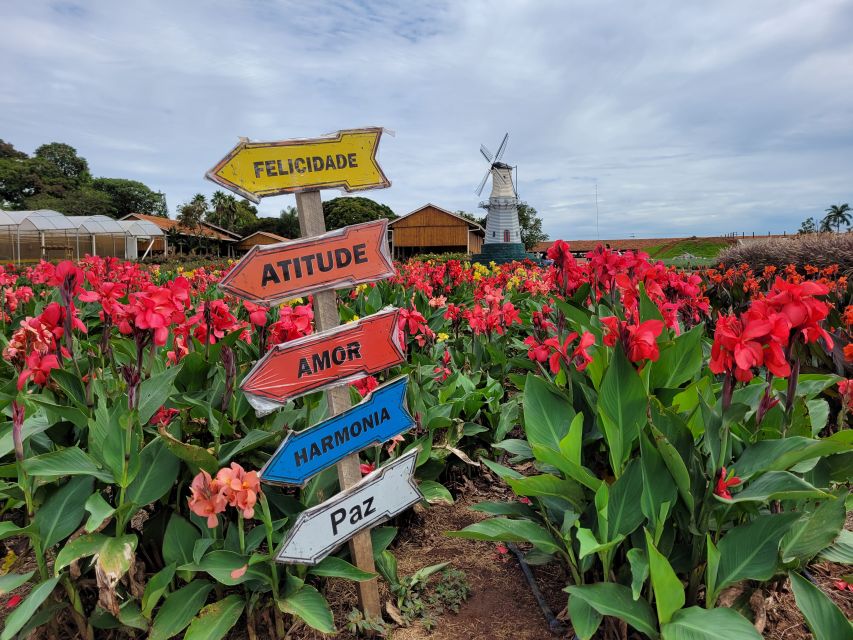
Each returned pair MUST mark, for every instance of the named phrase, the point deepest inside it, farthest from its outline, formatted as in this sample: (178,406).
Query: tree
(79,202)
(470,216)
(531,226)
(7,150)
(345,211)
(809,225)
(191,214)
(64,157)
(232,214)
(131,196)
(838,215)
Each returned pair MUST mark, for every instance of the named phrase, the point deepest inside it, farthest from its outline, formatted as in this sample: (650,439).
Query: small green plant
(359,625)
(451,590)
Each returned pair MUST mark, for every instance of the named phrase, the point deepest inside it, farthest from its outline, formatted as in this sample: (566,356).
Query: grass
(699,247)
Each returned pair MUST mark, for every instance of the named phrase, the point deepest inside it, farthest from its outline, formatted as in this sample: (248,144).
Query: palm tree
(837,215)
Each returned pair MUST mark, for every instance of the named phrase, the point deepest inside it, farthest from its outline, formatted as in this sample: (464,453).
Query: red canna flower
(13,602)
(367,467)
(38,368)
(724,482)
(164,416)
(642,340)
(365,385)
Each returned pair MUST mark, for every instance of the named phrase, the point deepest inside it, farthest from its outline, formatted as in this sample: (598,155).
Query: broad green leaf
(381,537)
(190,453)
(695,623)
(784,453)
(99,510)
(215,620)
(72,461)
(712,570)
(677,469)
(156,587)
(824,618)
(841,550)
(658,485)
(434,492)
(310,606)
(572,444)
(178,541)
(611,599)
(505,509)
(589,544)
(11,581)
(818,414)
(639,562)
(64,510)
(334,567)
(59,412)
(624,510)
(27,608)
(567,467)
(777,485)
(81,547)
(33,425)
(546,484)
(158,471)
(130,616)
(815,531)
(179,609)
(154,392)
(252,440)
(221,564)
(622,407)
(547,413)
(9,529)
(669,592)
(585,619)
(679,361)
(504,530)
(751,551)
(504,473)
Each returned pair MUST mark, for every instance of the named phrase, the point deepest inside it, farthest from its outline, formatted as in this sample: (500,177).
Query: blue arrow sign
(378,418)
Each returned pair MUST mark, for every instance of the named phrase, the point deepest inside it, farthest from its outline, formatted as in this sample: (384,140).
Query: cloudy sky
(692,118)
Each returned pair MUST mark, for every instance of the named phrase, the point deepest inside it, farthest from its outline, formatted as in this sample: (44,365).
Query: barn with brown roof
(206,238)
(431,229)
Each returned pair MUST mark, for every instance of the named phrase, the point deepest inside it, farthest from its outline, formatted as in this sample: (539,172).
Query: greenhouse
(30,236)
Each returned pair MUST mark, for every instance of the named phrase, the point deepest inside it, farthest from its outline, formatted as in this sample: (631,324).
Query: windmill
(502,226)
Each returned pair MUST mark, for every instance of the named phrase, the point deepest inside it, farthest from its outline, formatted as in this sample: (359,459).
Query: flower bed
(687,432)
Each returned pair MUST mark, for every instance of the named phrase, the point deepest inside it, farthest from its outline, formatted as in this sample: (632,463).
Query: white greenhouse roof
(98,225)
(45,220)
(7,220)
(140,228)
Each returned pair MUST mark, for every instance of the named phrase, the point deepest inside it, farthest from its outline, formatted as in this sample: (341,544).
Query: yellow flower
(354,319)
(441,337)
(291,303)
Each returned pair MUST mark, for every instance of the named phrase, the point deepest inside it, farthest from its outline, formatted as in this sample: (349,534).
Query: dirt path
(500,607)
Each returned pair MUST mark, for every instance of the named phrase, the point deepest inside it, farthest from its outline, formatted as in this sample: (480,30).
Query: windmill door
(506,235)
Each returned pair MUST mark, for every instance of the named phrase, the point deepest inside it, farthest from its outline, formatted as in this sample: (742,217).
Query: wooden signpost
(342,258)
(345,160)
(317,264)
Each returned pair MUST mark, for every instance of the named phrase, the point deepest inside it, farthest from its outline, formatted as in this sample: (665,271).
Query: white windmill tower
(503,232)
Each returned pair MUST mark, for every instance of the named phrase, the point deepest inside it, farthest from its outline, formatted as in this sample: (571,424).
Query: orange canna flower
(207,499)
(240,488)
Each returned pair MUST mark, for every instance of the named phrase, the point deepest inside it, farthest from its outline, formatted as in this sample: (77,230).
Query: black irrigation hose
(555,626)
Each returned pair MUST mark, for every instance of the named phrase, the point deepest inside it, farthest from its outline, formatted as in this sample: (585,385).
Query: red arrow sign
(345,257)
(326,359)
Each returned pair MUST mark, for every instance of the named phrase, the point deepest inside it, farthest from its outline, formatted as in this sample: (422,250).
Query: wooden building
(204,239)
(256,238)
(432,229)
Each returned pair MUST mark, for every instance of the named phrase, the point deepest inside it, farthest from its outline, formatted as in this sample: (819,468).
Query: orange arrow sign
(345,257)
(340,355)
(346,159)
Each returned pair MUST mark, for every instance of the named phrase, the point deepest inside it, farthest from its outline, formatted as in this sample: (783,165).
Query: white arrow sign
(380,495)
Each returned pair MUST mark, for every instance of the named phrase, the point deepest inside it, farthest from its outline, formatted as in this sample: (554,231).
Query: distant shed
(258,237)
(432,229)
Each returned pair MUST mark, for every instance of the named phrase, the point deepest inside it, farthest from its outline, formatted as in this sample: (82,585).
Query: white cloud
(704,119)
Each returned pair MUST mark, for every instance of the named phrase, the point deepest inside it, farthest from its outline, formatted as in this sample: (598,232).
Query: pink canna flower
(207,499)
(38,368)
(240,488)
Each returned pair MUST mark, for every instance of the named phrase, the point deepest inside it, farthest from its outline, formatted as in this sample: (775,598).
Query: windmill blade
(501,148)
(486,153)
(483,183)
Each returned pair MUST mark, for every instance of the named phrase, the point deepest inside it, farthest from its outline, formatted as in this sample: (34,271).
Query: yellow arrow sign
(347,159)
